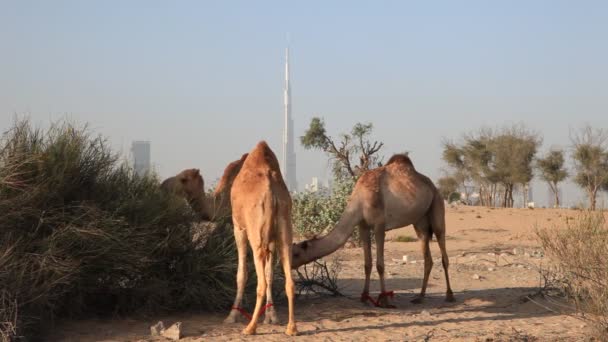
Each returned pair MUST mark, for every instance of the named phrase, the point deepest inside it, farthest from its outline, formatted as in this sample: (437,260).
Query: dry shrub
(82,234)
(578,253)
(319,278)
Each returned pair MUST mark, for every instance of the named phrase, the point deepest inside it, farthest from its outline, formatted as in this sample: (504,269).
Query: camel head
(301,253)
(191,184)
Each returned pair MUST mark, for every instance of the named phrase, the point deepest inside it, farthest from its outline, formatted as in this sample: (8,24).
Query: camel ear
(197,172)
(183,179)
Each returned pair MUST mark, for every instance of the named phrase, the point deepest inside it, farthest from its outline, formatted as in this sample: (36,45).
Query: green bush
(579,252)
(317,213)
(82,234)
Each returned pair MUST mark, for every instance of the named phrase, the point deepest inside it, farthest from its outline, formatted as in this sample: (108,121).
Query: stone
(174,332)
(425,313)
(157,328)
(476,276)
(527,255)
(405,258)
(491,269)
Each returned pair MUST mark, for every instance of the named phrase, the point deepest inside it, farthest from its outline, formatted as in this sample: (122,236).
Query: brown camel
(261,213)
(385,198)
(189,184)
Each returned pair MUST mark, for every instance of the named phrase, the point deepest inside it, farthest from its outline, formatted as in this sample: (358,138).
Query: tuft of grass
(405,238)
(580,268)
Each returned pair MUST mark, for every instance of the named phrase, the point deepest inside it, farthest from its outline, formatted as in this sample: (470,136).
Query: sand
(495,262)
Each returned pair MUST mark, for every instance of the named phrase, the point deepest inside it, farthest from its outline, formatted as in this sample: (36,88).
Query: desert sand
(495,262)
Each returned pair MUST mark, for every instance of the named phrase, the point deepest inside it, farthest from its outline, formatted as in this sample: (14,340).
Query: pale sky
(203,80)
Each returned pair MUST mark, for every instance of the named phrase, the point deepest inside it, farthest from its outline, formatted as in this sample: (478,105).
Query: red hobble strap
(242,311)
(366,297)
(264,308)
(247,315)
(387,294)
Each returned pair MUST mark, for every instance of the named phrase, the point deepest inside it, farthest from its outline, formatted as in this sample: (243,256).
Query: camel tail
(437,216)
(270,222)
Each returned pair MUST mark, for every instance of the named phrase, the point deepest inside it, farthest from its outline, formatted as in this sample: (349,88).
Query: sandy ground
(494,287)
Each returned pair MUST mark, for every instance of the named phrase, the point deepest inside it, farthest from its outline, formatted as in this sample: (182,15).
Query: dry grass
(579,252)
(405,238)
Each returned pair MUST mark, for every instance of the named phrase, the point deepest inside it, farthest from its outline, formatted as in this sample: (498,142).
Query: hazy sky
(203,80)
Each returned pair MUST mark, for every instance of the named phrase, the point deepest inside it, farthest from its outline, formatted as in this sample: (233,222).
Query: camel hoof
(417,300)
(450,298)
(383,303)
(230,319)
(291,330)
(271,318)
(249,331)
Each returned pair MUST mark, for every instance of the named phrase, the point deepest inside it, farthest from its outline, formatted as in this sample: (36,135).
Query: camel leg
(270,316)
(240,237)
(364,234)
(379,233)
(424,235)
(260,262)
(449,295)
(285,247)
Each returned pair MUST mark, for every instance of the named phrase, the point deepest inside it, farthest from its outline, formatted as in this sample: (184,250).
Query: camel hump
(230,173)
(261,156)
(400,159)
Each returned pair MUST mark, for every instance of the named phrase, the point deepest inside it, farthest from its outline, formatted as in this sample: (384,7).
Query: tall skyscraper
(288,162)
(140,151)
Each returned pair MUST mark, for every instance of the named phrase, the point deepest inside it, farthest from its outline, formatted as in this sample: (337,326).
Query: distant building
(318,187)
(288,155)
(313,186)
(140,151)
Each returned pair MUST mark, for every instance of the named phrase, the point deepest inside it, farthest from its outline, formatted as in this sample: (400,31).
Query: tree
(447,186)
(344,152)
(553,171)
(590,155)
(494,161)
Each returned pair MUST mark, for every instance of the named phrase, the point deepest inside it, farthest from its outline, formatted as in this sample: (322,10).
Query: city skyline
(204,81)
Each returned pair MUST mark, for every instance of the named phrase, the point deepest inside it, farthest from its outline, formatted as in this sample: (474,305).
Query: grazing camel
(385,198)
(261,213)
(190,185)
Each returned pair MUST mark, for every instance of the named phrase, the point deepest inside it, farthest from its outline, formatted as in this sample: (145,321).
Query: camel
(388,197)
(189,184)
(261,214)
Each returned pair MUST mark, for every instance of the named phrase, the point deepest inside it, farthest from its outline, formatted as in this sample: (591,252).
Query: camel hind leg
(259,258)
(285,232)
(437,220)
(424,234)
(240,237)
(270,315)
(365,235)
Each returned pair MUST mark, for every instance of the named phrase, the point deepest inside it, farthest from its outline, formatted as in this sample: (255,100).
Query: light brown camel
(261,213)
(190,185)
(385,198)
